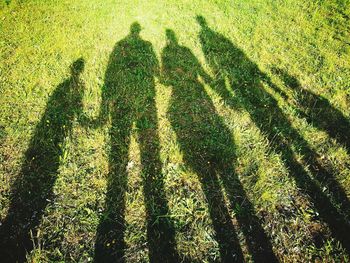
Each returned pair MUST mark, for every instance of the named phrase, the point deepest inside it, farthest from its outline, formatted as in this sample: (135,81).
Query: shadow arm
(102,116)
(278,90)
(205,76)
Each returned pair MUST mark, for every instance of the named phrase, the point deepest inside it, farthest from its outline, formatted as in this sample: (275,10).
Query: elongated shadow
(2,133)
(228,61)
(33,188)
(128,96)
(209,150)
(318,111)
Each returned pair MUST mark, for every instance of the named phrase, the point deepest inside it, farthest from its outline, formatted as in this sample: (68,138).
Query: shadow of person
(209,150)
(318,111)
(128,97)
(2,133)
(244,76)
(33,189)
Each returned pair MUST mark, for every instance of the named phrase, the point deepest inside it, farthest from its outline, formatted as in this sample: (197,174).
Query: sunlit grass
(39,40)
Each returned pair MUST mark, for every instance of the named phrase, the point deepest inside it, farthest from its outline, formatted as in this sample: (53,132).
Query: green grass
(203,139)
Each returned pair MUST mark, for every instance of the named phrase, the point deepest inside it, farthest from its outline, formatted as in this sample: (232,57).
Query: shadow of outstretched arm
(317,110)
(103,115)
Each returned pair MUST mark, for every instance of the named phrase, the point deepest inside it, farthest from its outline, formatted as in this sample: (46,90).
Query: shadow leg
(160,229)
(110,243)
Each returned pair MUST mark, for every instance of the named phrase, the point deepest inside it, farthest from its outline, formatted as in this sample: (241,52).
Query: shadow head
(171,36)
(135,28)
(201,21)
(78,66)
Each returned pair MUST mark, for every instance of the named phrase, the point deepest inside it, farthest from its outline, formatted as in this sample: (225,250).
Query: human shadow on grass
(2,133)
(33,189)
(317,110)
(128,97)
(229,62)
(209,150)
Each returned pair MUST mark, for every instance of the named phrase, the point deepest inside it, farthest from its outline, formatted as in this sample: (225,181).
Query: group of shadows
(128,98)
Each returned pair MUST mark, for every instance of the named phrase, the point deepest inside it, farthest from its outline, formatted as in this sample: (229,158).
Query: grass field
(174,131)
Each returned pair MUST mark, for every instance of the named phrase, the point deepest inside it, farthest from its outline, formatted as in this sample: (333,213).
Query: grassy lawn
(174,131)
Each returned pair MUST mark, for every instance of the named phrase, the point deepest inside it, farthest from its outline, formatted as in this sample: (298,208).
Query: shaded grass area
(197,132)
